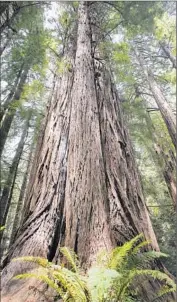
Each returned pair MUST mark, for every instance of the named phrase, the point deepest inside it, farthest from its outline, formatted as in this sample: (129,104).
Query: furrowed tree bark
(86,192)
(86,202)
(7,121)
(40,232)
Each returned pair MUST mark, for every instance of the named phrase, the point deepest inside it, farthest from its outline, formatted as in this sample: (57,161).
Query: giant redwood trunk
(86,192)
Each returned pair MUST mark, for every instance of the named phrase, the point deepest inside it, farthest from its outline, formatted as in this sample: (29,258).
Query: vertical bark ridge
(87,227)
(128,212)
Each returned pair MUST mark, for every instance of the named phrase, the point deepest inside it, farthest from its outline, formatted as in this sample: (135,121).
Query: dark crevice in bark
(76,239)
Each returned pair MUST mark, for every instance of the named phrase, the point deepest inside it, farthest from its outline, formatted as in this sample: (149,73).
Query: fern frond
(141,260)
(166,290)
(151,255)
(71,257)
(119,254)
(139,246)
(127,280)
(38,260)
(45,279)
(70,282)
(155,274)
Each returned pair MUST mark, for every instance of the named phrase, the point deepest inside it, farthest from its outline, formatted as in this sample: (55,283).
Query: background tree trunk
(9,185)
(162,103)
(166,160)
(168,53)
(167,114)
(6,124)
(20,204)
(9,98)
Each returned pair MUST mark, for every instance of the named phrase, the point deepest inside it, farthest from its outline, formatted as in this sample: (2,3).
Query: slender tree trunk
(168,170)
(86,192)
(167,114)
(20,204)
(6,124)
(10,98)
(168,53)
(3,47)
(162,103)
(166,161)
(9,185)
(9,16)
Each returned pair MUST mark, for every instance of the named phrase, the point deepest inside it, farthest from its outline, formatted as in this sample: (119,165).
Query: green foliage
(71,258)
(63,66)
(32,90)
(108,281)
(165,29)
(69,285)
(169,77)
(139,16)
(2,228)
(120,53)
(129,263)
(100,280)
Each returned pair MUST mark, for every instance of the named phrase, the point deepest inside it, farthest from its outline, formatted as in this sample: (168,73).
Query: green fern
(38,260)
(130,262)
(119,255)
(45,279)
(170,285)
(68,284)
(71,258)
(108,281)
